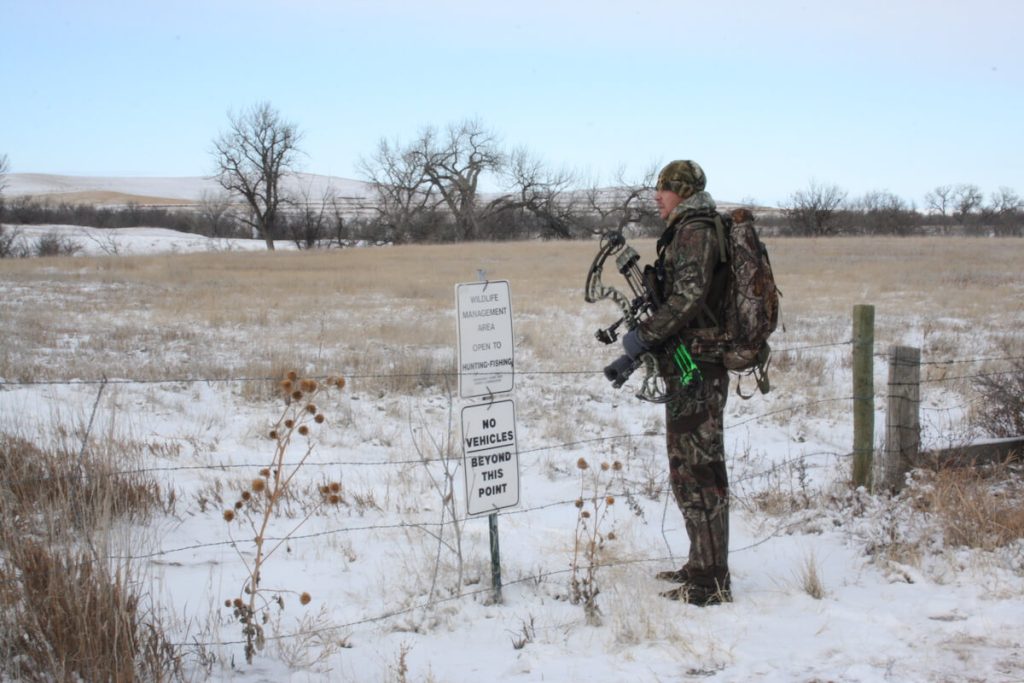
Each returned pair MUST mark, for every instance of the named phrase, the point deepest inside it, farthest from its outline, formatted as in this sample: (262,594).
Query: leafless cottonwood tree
(1006,212)
(453,162)
(940,200)
(252,157)
(540,200)
(813,211)
(627,201)
(967,199)
(405,202)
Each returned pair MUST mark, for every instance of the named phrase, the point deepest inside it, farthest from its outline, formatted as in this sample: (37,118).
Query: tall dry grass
(390,310)
(69,609)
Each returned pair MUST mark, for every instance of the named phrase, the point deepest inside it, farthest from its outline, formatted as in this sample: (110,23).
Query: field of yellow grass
(231,314)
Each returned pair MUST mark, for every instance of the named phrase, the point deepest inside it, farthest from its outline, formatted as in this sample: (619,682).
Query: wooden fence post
(863,393)
(902,420)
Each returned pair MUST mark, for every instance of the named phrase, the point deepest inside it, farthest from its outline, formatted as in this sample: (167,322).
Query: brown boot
(701,596)
(703,588)
(681,575)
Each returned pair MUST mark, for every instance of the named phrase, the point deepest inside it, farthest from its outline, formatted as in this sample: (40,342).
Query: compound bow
(636,308)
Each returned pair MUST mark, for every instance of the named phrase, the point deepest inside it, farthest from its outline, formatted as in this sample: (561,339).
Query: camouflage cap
(685,178)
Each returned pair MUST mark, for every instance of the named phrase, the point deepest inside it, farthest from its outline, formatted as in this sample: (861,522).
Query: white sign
(484,312)
(491,457)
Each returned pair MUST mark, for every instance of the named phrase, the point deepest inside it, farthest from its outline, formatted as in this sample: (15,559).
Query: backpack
(750,306)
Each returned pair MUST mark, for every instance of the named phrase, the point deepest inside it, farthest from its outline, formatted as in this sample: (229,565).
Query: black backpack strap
(720,229)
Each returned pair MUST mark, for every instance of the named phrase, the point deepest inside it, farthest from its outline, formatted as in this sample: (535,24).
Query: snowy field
(172,351)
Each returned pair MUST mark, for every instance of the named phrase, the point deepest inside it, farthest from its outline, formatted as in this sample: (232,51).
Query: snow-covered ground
(89,241)
(381,568)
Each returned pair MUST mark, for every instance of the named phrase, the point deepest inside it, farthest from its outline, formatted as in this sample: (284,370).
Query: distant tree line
(825,209)
(429,189)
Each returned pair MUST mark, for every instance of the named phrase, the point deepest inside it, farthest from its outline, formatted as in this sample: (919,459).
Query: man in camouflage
(692,283)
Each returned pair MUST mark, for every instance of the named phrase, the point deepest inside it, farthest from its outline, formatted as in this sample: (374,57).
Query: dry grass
(70,493)
(975,507)
(71,617)
(809,577)
(67,612)
(391,309)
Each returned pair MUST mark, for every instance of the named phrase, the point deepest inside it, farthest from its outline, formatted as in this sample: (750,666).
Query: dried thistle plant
(259,504)
(593,505)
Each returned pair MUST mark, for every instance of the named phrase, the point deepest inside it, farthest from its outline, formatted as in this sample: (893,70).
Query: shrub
(53,244)
(1001,410)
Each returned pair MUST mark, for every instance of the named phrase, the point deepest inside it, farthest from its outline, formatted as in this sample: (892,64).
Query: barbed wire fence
(774,469)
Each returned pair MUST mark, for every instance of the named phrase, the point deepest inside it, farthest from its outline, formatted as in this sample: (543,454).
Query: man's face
(666,201)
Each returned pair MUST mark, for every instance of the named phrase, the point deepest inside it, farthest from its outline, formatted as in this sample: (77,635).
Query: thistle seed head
(305,598)
(229,515)
(582,464)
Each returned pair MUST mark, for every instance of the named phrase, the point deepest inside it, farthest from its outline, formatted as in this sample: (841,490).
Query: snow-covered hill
(163,190)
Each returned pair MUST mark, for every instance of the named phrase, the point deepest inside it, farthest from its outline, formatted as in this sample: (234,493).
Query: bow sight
(644,298)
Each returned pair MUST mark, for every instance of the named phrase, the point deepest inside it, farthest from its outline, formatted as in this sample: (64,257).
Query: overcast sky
(898,95)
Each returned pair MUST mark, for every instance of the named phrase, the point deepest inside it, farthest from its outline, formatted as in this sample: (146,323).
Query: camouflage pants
(696,456)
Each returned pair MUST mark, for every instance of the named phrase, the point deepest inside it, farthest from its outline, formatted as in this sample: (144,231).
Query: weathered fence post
(902,421)
(863,393)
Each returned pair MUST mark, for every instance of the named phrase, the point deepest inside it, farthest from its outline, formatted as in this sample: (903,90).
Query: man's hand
(633,345)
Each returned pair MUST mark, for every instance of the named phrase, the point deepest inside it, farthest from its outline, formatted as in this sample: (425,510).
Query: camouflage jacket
(690,260)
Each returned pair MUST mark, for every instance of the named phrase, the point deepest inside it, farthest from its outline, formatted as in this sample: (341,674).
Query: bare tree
(453,163)
(8,237)
(814,211)
(405,199)
(627,202)
(540,200)
(1006,212)
(966,201)
(5,167)
(316,222)
(884,213)
(214,217)
(253,156)
(940,200)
